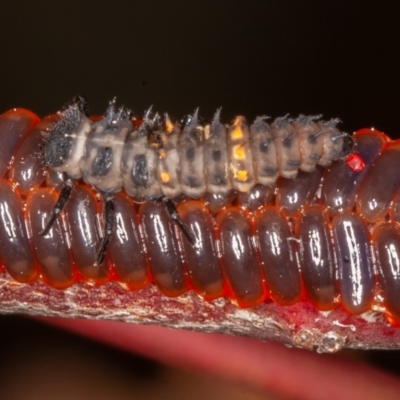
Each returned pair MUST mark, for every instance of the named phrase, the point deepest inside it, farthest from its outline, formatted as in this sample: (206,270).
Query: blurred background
(339,59)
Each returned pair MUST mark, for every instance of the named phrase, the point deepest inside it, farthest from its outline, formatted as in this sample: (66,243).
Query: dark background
(339,59)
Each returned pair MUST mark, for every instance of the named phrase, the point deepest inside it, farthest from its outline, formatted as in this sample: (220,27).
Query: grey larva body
(154,160)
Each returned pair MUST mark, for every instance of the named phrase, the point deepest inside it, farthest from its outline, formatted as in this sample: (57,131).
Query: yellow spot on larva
(162,153)
(169,126)
(165,177)
(239,152)
(237,133)
(207,132)
(242,175)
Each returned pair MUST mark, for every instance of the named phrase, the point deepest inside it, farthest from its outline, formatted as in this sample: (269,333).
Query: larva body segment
(139,166)
(168,161)
(103,154)
(241,158)
(191,159)
(334,142)
(216,158)
(311,141)
(288,240)
(287,147)
(65,145)
(264,152)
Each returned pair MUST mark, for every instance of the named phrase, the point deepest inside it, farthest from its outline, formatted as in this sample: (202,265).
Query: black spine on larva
(59,142)
(114,117)
(80,102)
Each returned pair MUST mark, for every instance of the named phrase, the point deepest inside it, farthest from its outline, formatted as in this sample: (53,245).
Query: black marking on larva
(190,153)
(103,161)
(313,137)
(59,142)
(140,174)
(192,182)
(294,163)
(219,179)
(271,171)
(314,157)
(287,142)
(216,155)
(264,146)
(64,136)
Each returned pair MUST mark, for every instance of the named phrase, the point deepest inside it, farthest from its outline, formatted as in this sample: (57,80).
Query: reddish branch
(300,325)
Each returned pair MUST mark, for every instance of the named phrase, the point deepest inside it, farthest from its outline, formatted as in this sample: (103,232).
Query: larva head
(342,143)
(348,145)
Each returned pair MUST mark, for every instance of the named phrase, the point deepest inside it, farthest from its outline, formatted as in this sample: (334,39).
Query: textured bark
(300,325)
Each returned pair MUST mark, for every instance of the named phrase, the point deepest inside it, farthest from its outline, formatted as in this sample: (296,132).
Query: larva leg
(173,213)
(109,213)
(61,202)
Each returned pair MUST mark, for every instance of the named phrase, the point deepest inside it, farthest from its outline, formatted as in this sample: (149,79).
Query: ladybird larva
(111,154)
(309,238)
